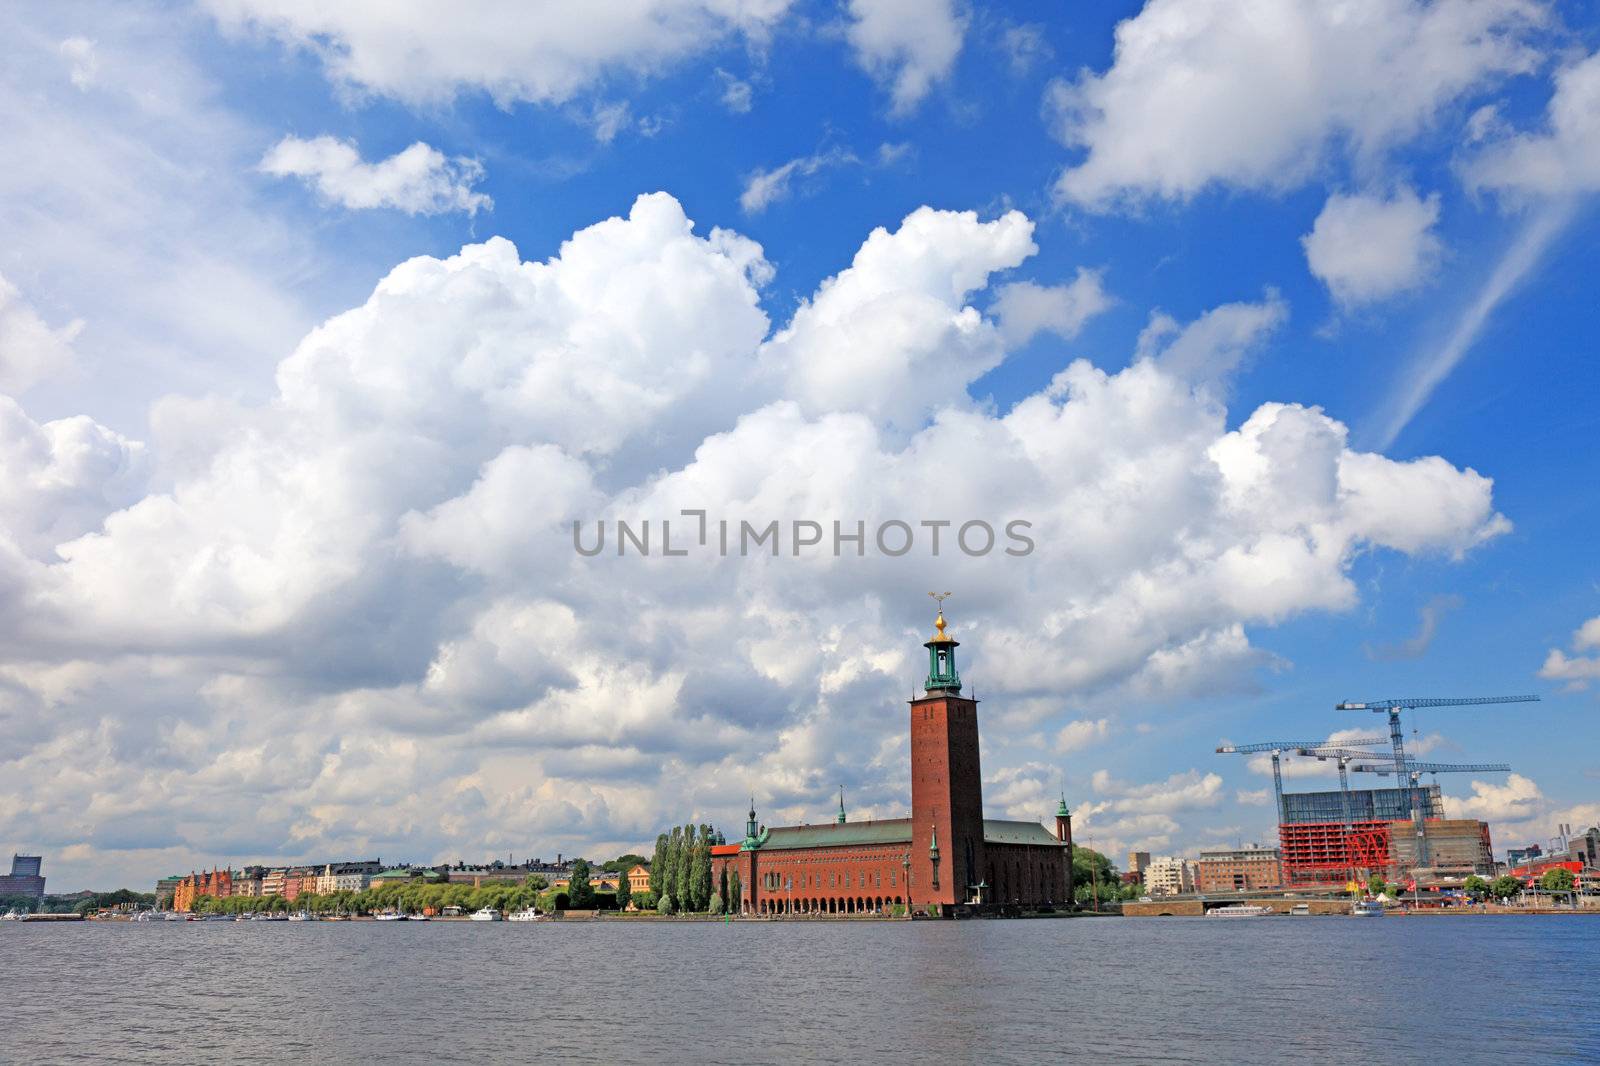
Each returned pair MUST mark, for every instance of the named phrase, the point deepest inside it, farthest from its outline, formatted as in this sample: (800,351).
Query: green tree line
(680,875)
(1095,877)
(89,904)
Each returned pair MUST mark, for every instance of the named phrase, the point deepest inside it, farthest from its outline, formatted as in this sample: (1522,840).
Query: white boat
(1367,908)
(417,918)
(304,916)
(488,914)
(389,916)
(12,915)
(172,916)
(1238,910)
(527,914)
(1300,910)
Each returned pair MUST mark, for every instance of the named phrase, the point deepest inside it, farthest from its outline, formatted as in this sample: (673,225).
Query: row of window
(773,881)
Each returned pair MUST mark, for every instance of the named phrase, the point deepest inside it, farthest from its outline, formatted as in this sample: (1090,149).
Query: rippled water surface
(1523,989)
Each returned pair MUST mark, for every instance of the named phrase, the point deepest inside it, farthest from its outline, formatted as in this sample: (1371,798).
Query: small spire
(841,804)
(1061,811)
(933,844)
(940,636)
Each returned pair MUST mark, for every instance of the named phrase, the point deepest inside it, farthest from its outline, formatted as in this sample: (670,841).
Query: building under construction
(1320,848)
(1328,838)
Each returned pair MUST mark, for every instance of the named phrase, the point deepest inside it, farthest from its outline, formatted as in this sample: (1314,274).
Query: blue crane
(1278,747)
(1393,707)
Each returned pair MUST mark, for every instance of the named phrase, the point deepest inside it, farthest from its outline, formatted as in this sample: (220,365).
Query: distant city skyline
(323,333)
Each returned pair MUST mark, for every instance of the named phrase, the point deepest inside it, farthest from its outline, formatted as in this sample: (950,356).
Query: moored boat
(526,914)
(487,914)
(1238,910)
(1366,908)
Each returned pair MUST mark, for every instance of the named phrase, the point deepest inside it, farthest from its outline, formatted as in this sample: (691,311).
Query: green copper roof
(835,834)
(892,831)
(1061,811)
(996,831)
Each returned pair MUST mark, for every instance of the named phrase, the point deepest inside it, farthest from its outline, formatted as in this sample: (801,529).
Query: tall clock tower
(947,860)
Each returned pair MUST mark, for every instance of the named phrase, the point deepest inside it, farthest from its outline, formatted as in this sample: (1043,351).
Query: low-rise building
(1168,876)
(165,888)
(250,881)
(272,882)
(639,879)
(1238,870)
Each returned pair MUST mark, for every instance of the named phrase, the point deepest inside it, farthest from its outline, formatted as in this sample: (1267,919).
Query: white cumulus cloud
(907,44)
(541,51)
(1257,93)
(1366,248)
(419,180)
(1576,669)
(1564,159)
(1026,308)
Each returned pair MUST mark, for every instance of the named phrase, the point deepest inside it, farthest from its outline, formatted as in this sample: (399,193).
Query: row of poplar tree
(680,873)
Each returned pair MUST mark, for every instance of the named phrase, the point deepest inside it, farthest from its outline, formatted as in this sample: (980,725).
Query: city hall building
(947,853)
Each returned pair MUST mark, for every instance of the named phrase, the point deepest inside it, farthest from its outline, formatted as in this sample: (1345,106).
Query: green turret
(942,673)
(841,804)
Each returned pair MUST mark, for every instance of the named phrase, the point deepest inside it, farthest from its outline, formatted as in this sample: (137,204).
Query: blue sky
(283,558)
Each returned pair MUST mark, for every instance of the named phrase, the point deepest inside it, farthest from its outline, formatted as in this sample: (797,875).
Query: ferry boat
(488,914)
(527,914)
(1239,910)
(1366,908)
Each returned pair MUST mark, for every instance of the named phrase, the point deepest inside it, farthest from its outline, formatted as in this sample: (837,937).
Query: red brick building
(946,853)
(218,883)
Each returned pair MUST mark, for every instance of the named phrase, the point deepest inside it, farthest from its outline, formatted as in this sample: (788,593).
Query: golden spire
(939,623)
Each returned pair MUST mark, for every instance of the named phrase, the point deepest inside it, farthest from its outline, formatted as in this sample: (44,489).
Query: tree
(735,892)
(722,888)
(1475,887)
(537,882)
(1557,879)
(580,892)
(623,863)
(658,867)
(683,874)
(1505,886)
(624,893)
(700,871)
(716,905)
(1376,885)
(664,905)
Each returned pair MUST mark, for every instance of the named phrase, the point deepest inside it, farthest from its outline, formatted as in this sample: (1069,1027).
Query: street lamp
(905,862)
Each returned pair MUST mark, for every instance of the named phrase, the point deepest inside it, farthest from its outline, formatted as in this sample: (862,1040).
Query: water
(1266,990)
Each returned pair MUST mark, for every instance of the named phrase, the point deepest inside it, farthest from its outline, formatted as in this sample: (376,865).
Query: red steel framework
(1327,853)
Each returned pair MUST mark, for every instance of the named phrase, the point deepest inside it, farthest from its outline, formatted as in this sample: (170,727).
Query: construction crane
(1344,756)
(1277,748)
(1393,707)
(1415,770)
